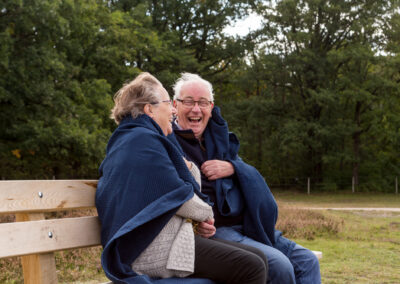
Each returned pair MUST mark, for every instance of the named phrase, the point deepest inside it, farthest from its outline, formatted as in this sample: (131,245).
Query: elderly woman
(148,200)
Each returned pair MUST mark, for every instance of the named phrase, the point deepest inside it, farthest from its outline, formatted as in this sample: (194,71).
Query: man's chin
(195,127)
(198,132)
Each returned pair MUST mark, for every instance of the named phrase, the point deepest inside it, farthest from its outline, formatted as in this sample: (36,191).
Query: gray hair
(190,78)
(133,96)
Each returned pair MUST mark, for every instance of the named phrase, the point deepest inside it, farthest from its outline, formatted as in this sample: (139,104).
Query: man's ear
(148,110)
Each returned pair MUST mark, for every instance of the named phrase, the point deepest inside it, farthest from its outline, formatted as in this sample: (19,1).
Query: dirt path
(386,209)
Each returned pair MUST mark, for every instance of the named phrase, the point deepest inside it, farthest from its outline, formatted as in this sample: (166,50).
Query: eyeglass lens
(190,103)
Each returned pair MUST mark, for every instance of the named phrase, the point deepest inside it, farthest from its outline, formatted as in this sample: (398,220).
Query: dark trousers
(229,262)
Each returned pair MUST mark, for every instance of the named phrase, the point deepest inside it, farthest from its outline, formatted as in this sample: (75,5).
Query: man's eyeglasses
(203,103)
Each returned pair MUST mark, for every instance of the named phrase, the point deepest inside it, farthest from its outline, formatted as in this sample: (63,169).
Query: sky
(242,27)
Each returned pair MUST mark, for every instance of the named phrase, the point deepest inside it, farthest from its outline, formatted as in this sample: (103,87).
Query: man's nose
(196,107)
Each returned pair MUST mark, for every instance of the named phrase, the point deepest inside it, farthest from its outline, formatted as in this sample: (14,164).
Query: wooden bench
(35,238)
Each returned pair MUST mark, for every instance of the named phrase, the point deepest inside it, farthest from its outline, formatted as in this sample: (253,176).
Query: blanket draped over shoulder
(247,193)
(143,182)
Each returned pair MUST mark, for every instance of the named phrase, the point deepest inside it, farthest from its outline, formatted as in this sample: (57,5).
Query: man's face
(193,117)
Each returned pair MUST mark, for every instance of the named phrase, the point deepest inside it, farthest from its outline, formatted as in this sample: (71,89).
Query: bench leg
(37,268)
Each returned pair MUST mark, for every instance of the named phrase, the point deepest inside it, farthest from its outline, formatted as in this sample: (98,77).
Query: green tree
(318,65)
(52,116)
(192,32)
(62,61)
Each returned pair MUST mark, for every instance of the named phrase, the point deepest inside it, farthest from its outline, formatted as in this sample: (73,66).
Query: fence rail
(365,183)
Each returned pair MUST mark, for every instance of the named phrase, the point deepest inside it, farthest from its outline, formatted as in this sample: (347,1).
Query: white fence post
(308,186)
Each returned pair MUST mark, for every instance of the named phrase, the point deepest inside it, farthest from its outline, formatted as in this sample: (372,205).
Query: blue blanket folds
(249,194)
(143,182)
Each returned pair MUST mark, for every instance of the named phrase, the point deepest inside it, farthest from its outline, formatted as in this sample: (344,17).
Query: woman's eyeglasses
(156,103)
(166,101)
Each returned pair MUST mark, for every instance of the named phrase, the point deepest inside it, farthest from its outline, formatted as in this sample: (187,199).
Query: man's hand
(215,169)
(206,229)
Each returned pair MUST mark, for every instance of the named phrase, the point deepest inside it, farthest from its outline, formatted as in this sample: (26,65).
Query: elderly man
(245,210)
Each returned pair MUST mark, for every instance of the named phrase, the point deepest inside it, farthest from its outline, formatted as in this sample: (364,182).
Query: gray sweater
(171,253)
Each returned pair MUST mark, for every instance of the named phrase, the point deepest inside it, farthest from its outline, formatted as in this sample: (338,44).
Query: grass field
(367,250)
(357,246)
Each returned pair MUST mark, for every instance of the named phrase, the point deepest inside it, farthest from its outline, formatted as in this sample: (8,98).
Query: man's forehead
(195,89)
(188,97)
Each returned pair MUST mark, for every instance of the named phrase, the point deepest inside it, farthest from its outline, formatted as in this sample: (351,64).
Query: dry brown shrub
(71,213)
(8,218)
(307,224)
(79,265)
(11,270)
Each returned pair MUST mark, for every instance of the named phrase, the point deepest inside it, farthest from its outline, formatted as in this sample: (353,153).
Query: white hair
(191,78)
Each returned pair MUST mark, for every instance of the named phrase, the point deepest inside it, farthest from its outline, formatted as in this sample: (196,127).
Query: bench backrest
(33,237)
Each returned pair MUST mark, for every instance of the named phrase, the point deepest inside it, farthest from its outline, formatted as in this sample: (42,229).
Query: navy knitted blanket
(143,182)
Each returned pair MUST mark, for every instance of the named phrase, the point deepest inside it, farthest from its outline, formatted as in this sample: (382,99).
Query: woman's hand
(188,164)
(206,229)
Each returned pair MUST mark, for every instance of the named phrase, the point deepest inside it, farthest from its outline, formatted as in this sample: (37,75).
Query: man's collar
(176,124)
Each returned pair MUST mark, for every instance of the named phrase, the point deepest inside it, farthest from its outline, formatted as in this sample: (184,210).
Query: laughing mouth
(195,119)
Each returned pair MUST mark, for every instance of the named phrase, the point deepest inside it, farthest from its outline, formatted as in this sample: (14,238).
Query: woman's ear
(148,110)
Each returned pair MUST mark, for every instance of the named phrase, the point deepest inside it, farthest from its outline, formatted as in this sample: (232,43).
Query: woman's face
(163,112)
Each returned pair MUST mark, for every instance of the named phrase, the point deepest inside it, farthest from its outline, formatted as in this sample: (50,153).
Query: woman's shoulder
(141,135)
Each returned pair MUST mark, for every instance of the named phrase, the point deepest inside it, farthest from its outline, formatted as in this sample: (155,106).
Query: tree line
(313,92)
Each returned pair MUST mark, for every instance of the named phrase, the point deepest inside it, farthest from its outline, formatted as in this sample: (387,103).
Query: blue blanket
(248,193)
(143,182)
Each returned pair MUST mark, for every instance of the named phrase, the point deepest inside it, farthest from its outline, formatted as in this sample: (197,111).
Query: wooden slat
(22,238)
(46,195)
